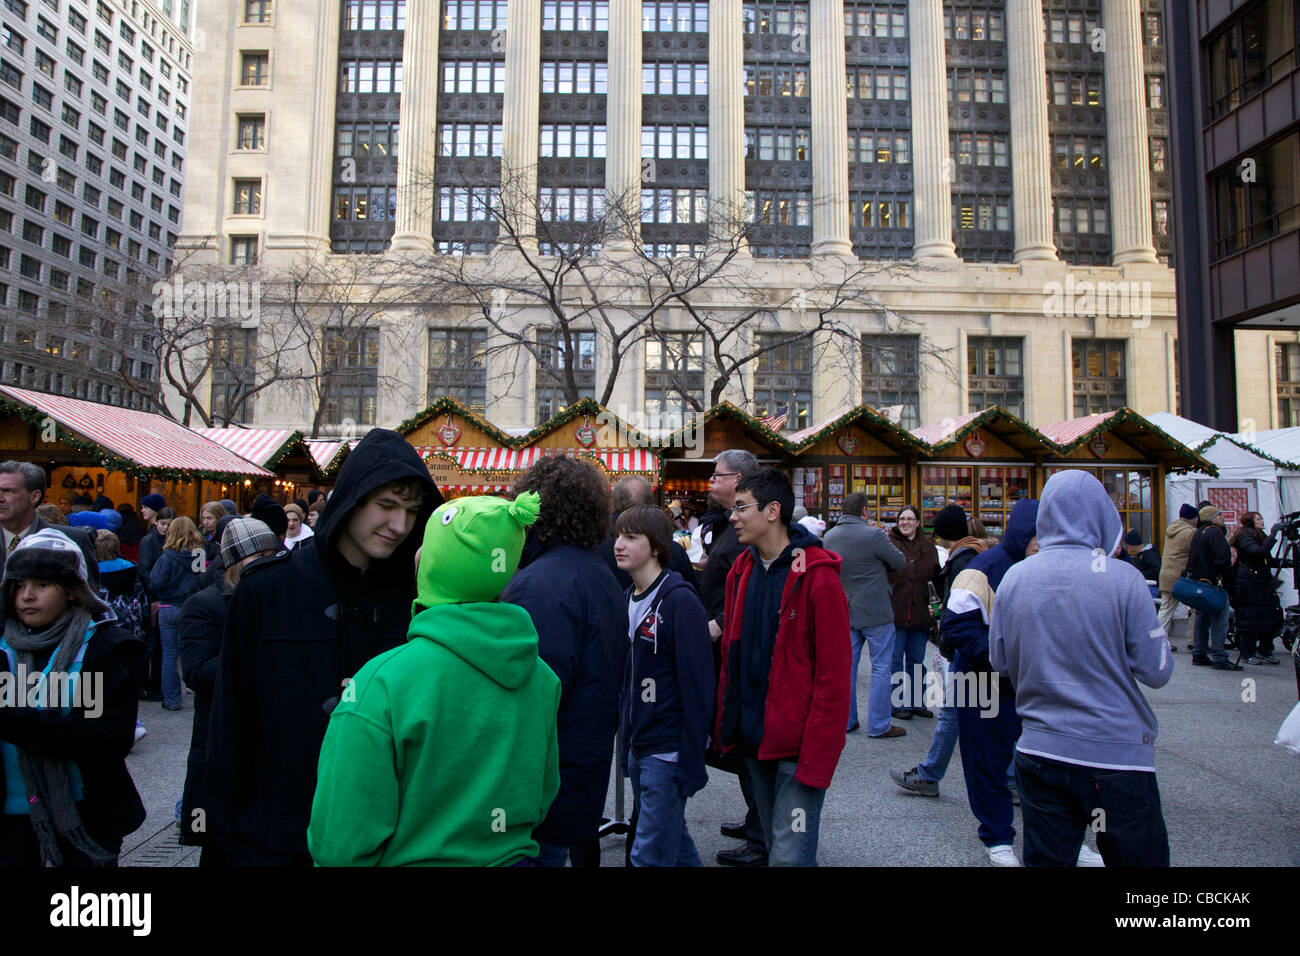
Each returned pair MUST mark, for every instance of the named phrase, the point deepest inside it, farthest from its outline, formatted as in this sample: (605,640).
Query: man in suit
(22,489)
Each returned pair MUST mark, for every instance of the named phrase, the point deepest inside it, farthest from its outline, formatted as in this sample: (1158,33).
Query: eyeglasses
(718,476)
(739,508)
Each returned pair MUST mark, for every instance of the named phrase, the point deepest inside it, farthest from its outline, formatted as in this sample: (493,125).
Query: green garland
(1276,462)
(111,460)
(857,413)
(979,421)
(1126,416)
(448,404)
(584,406)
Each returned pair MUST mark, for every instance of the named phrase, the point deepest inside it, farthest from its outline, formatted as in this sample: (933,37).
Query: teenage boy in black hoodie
(667,689)
(300,624)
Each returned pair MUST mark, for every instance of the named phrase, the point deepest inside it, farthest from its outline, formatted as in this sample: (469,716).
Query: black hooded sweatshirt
(299,623)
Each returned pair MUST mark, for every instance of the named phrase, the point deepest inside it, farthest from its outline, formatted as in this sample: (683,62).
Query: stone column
(931,159)
(418,145)
(1126,135)
(520,113)
(830,143)
(1031,151)
(623,125)
(726,119)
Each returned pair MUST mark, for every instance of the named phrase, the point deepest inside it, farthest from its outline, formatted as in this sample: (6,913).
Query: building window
(374,15)
(552,369)
(234,363)
(678,204)
(248,197)
(474,14)
(352,363)
(380,139)
(569,140)
(1257,48)
(984,213)
(589,15)
(458,367)
(887,147)
(254,69)
(1099,381)
(977,23)
(258,11)
(674,378)
(583,76)
(489,76)
(783,378)
(1288,385)
(1159,154)
(675,142)
(674,17)
(243,250)
(1248,213)
(370,76)
(685,79)
(467,139)
(779,144)
(1155,92)
(891,375)
(995,374)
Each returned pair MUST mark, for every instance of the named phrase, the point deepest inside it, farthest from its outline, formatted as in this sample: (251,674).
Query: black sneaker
(909,780)
(1226,666)
(1201,660)
(742,856)
(901,714)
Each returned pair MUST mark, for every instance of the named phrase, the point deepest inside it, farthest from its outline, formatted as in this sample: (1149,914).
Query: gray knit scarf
(48,780)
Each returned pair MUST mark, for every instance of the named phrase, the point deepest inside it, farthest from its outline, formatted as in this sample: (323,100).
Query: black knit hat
(266,510)
(1133,537)
(950,523)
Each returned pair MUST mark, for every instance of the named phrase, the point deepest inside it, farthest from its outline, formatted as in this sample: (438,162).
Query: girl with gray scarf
(67,712)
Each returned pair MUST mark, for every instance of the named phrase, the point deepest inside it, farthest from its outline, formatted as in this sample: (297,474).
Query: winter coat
(807,703)
(581,621)
(299,623)
(202,627)
(670,647)
(1147,561)
(724,550)
(151,549)
(173,578)
(867,560)
(1211,558)
(445,754)
(911,596)
(1256,601)
(1178,544)
(111,807)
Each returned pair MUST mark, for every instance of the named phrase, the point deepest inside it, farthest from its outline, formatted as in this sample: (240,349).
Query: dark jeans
(1251,641)
(1059,801)
(988,745)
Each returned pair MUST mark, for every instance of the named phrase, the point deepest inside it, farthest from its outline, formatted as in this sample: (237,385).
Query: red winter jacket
(807,706)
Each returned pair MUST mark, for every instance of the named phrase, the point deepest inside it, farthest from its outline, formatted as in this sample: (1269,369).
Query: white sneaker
(1089,857)
(1002,855)
(139,730)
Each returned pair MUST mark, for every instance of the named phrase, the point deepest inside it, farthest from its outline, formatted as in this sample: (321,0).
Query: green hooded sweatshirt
(443,752)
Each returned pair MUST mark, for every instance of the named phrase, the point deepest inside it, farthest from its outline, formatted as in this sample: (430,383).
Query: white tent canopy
(1252,476)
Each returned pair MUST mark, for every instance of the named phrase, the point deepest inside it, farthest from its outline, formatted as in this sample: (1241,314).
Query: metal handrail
(1258,232)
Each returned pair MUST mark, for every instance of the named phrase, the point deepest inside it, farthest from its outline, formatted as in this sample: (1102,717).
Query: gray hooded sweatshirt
(1076,630)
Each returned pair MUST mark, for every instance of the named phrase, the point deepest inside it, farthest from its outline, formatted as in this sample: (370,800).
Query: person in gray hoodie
(1076,630)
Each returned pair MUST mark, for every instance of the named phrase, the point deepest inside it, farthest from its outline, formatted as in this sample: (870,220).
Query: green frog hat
(472,548)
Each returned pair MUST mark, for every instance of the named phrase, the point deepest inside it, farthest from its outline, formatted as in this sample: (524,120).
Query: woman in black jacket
(1259,612)
(202,626)
(71,801)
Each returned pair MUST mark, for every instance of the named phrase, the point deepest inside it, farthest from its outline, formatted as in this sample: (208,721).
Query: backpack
(131,609)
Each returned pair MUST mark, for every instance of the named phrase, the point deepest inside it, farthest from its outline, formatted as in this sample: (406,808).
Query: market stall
(984,461)
(118,452)
(329,456)
(687,454)
(281,451)
(859,451)
(1131,457)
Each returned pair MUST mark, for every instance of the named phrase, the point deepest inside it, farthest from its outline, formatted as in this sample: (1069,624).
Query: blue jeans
(935,764)
(908,662)
(791,812)
(880,645)
(661,835)
(1059,801)
(1211,629)
(169,628)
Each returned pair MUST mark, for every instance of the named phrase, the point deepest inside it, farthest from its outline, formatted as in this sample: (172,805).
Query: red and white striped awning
(1067,432)
(150,441)
(616,460)
(324,452)
(258,445)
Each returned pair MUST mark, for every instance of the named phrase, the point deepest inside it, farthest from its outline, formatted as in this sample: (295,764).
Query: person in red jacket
(783,692)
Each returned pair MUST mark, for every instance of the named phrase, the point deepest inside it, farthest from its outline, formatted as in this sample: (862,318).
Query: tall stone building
(94,115)
(996,169)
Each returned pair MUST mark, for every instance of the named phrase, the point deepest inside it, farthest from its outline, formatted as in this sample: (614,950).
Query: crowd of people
(383,677)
